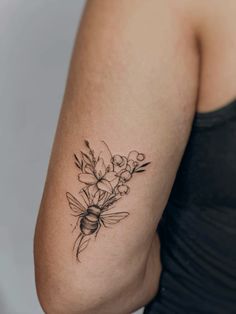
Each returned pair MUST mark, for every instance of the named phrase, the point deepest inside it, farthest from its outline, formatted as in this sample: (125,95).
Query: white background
(36,38)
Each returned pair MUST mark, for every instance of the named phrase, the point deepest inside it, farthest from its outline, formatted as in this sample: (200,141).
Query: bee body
(90,222)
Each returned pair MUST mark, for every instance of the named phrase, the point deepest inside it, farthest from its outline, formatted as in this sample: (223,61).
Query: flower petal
(109,176)
(105,186)
(106,155)
(96,197)
(88,169)
(115,182)
(124,161)
(100,168)
(87,178)
(133,155)
(93,190)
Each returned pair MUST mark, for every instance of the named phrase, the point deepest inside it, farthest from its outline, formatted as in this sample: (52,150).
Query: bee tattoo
(105,178)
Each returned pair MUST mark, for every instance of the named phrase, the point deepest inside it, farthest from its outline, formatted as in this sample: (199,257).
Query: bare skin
(217,29)
(140,70)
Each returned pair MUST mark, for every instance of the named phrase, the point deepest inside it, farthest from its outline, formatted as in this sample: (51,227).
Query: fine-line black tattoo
(104,184)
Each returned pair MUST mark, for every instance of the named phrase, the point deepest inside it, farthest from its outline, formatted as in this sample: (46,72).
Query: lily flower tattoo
(105,182)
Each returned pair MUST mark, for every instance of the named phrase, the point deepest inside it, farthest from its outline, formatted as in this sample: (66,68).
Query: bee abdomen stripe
(86,223)
(91,218)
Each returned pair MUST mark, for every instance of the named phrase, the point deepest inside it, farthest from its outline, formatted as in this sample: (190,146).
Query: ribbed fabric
(198,227)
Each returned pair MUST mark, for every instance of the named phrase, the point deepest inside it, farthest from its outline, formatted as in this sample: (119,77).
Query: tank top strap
(215,117)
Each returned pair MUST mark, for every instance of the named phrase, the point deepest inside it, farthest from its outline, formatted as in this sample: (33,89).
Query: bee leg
(76,240)
(76,225)
(77,255)
(77,246)
(99,226)
(83,243)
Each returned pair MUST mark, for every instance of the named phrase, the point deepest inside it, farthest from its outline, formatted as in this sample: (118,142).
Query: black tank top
(198,227)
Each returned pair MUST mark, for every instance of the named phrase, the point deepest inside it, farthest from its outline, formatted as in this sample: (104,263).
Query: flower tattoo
(105,182)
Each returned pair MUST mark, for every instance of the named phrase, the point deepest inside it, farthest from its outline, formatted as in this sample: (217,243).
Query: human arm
(133,84)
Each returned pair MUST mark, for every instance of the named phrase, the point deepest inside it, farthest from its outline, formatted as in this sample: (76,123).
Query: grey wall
(36,39)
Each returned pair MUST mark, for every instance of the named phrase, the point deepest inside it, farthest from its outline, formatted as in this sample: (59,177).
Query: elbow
(63,288)
(65,294)
(51,298)
(63,298)
(55,288)
(57,299)
(61,291)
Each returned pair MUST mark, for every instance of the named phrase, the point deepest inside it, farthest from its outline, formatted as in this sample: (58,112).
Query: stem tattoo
(105,182)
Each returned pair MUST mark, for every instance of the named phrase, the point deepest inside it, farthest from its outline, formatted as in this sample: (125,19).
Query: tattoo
(105,183)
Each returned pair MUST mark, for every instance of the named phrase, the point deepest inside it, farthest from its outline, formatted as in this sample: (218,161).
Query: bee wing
(74,204)
(112,219)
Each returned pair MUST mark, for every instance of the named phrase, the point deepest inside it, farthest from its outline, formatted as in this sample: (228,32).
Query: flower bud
(140,157)
(133,155)
(125,175)
(132,164)
(123,189)
(118,160)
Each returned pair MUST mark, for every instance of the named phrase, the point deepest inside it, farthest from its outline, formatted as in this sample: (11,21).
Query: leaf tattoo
(104,184)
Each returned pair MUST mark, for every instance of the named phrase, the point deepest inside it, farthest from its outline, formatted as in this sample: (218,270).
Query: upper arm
(133,84)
